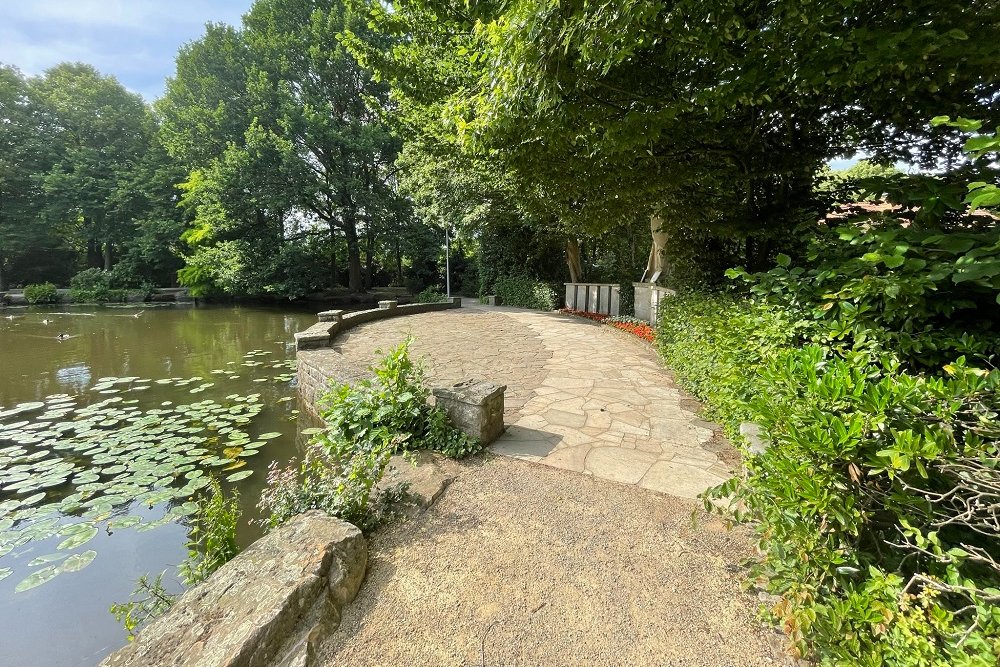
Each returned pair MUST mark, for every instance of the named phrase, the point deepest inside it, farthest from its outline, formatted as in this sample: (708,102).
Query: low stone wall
(269,606)
(333,322)
(159,295)
(314,371)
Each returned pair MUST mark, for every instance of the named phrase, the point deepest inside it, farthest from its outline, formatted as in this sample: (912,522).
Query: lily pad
(37,579)
(237,476)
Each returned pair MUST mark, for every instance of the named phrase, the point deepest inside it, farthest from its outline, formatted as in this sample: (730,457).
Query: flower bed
(631,325)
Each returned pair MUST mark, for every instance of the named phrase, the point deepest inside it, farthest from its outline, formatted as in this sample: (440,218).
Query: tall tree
(100,133)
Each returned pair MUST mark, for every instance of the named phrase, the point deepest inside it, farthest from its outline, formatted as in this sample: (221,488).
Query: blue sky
(135,40)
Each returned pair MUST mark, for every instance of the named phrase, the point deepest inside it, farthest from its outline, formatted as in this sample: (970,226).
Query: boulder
(267,606)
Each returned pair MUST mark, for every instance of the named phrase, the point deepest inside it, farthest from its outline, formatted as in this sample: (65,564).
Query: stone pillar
(475,407)
(456,301)
(387,305)
(331,316)
(643,301)
(493,300)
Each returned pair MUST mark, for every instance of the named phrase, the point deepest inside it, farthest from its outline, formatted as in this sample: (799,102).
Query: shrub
(716,342)
(526,292)
(366,423)
(877,500)
(41,293)
(94,286)
(431,295)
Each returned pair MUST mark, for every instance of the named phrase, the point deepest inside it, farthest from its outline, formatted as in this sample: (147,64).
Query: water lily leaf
(77,562)
(78,537)
(269,436)
(237,476)
(232,452)
(48,558)
(237,464)
(37,579)
(5,572)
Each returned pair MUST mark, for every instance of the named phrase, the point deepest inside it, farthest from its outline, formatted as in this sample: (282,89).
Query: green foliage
(94,286)
(366,423)
(526,292)
(390,406)
(431,295)
(211,534)
(340,484)
(928,294)
(211,544)
(149,600)
(41,293)
(868,499)
(716,342)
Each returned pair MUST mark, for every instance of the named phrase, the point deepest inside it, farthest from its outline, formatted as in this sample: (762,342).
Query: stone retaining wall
(269,606)
(313,379)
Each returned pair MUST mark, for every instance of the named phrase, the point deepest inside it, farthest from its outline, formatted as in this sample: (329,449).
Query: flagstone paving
(580,396)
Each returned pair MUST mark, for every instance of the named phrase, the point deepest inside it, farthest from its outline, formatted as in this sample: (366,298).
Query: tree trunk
(334,279)
(573,260)
(369,257)
(355,277)
(93,254)
(107,256)
(3,277)
(399,263)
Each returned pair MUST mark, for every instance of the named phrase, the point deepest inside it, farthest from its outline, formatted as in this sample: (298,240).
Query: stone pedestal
(387,305)
(331,316)
(493,300)
(475,407)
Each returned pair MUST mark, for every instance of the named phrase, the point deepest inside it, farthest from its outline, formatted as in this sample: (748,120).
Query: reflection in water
(66,621)
(74,377)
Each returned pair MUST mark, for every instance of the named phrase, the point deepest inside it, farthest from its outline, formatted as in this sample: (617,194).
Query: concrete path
(580,396)
(526,565)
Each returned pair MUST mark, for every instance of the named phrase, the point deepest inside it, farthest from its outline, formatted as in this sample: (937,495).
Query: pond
(111,421)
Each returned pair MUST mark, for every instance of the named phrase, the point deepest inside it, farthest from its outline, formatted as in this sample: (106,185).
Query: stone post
(333,316)
(387,305)
(475,407)
(493,300)
(456,301)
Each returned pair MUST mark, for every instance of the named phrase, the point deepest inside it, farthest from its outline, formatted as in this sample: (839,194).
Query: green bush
(94,286)
(716,342)
(431,295)
(366,423)
(523,292)
(877,500)
(41,293)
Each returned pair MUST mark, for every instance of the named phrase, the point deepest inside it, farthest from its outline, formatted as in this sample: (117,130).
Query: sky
(134,40)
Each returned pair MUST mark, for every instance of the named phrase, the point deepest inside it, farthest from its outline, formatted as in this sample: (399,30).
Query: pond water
(111,421)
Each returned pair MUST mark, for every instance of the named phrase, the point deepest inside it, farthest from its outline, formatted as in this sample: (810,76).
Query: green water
(72,358)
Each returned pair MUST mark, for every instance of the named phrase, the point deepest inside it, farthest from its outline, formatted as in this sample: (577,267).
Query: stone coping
(333,322)
(594,284)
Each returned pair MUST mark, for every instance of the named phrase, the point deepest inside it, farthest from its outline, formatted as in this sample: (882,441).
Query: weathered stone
(474,407)
(387,305)
(493,300)
(330,316)
(424,474)
(258,609)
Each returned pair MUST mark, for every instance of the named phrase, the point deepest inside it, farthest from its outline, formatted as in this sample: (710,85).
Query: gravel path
(524,564)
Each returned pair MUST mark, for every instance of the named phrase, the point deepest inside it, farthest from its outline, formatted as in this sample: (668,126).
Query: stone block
(475,407)
(456,301)
(387,305)
(493,300)
(263,606)
(331,316)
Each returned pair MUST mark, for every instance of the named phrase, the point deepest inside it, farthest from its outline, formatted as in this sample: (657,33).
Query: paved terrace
(580,396)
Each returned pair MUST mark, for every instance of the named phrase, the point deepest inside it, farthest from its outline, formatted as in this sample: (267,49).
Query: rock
(425,481)
(260,608)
